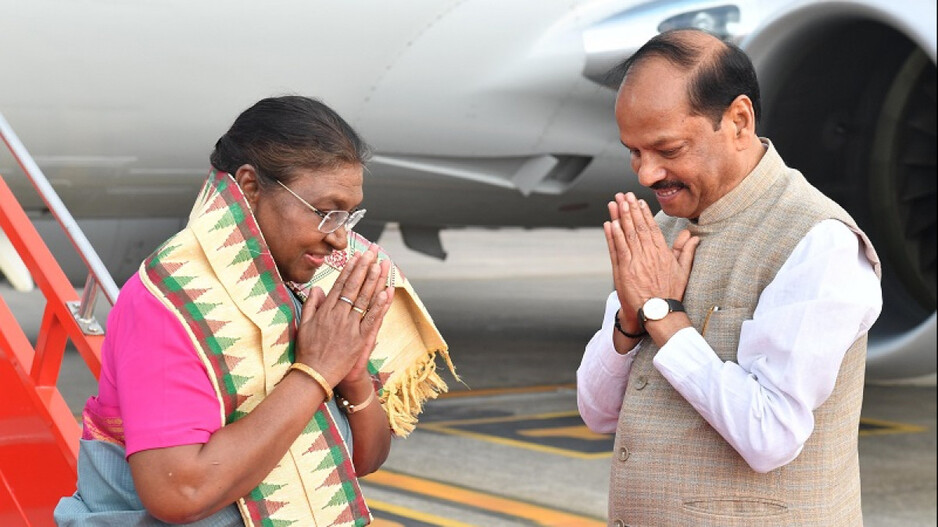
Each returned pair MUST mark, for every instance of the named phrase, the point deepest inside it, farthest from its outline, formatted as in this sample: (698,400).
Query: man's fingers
(627,226)
(686,259)
(620,240)
(684,248)
(679,242)
(613,207)
(654,232)
(644,232)
(611,244)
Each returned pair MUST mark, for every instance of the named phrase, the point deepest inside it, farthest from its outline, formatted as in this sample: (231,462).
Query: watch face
(655,309)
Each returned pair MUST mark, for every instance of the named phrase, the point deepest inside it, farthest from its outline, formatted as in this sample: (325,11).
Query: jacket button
(641,382)
(624,454)
(619,523)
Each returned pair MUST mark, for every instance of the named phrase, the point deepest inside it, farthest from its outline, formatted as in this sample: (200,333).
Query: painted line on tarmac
(868,426)
(389,515)
(872,427)
(563,433)
(492,392)
(447,492)
(539,432)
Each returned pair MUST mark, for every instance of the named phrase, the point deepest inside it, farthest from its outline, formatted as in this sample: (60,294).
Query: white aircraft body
(480,112)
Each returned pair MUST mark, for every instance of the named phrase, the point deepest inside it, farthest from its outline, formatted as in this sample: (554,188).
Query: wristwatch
(658,308)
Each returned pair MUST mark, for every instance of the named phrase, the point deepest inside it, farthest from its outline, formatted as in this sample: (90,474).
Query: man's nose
(650,171)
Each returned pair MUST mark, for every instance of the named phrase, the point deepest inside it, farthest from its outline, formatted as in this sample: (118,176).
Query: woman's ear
(246,177)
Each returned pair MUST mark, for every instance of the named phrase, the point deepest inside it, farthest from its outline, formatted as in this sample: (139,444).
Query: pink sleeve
(163,390)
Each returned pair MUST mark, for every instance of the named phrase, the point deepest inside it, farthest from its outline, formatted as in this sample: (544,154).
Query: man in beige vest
(731,357)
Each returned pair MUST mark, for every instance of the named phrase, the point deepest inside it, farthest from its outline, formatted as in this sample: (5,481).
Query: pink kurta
(151,377)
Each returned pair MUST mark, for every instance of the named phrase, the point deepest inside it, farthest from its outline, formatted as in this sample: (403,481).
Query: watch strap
(673,305)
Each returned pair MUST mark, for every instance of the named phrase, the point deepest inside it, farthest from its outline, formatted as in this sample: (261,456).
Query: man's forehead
(655,70)
(654,140)
(653,90)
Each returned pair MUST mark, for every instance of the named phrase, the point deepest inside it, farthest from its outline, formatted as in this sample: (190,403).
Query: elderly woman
(234,390)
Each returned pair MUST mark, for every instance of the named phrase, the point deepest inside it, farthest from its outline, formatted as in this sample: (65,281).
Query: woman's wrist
(314,375)
(351,406)
(357,389)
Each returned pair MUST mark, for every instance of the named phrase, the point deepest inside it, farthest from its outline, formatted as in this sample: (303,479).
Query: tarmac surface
(506,447)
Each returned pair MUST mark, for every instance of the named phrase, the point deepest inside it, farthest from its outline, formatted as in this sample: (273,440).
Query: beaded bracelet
(350,408)
(629,335)
(315,375)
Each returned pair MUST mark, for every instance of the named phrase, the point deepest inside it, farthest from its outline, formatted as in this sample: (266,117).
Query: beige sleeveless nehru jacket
(669,467)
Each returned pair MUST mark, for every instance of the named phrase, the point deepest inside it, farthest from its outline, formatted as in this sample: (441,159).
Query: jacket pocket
(736,507)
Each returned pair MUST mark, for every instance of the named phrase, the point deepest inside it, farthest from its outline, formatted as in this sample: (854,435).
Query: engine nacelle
(849,97)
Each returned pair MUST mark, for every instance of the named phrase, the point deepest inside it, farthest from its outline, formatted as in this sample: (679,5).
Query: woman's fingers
(339,330)
(350,289)
(372,320)
(365,295)
(380,283)
(333,297)
(379,306)
(315,299)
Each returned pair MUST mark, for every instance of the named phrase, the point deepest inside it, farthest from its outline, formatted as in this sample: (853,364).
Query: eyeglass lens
(339,218)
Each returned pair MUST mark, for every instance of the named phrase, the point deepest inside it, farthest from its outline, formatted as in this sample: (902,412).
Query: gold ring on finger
(359,310)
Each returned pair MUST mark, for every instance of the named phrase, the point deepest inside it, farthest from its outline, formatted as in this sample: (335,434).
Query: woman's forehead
(338,186)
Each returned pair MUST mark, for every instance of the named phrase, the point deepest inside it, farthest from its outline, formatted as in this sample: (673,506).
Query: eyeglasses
(334,219)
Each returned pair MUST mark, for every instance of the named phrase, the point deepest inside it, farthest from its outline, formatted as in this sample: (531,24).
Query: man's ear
(741,114)
(247,177)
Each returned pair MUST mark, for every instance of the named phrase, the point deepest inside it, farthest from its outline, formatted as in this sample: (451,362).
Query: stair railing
(39,435)
(98,276)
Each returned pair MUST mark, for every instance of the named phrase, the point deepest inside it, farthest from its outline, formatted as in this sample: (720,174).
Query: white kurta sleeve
(603,375)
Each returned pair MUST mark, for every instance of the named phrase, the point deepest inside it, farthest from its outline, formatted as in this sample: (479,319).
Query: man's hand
(643,266)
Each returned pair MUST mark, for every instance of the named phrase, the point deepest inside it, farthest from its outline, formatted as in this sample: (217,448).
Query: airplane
(481,113)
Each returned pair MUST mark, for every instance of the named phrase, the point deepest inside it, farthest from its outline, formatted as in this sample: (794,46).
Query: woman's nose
(338,239)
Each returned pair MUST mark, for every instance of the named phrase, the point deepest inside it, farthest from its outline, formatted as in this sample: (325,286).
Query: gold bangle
(350,408)
(315,375)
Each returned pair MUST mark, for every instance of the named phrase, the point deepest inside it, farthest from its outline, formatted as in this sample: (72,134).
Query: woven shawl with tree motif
(219,279)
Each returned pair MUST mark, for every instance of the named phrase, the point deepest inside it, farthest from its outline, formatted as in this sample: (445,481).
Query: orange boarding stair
(38,433)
